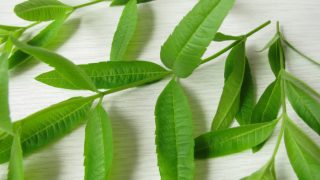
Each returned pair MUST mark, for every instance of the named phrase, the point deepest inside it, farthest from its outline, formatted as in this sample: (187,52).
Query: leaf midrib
(62,6)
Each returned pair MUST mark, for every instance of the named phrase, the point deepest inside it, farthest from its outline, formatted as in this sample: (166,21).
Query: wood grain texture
(88,36)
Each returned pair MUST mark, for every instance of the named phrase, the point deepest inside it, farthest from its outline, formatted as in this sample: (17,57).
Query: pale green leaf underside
(174,140)
(45,126)
(305,105)
(41,39)
(41,10)
(303,153)
(112,74)
(63,66)
(98,148)
(125,31)
(184,48)
(16,170)
(230,99)
(233,140)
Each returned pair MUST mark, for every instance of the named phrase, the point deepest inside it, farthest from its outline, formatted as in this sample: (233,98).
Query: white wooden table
(87,38)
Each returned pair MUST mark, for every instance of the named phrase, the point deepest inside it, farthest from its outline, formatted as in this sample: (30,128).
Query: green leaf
(5,121)
(9,28)
(271,42)
(63,66)
(16,171)
(219,37)
(275,55)
(268,107)
(174,140)
(184,48)
(125,31)
(267,172)
(230,99)
(48,125)
(42,39)
(98,148)
(299,52)
(122,2)
(269,104)
(112,74)
(40,10)
(303,153)
(299,84)
(305,105)
(233,140)
(247,98)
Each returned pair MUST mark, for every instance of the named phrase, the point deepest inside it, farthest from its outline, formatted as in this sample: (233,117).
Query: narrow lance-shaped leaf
(5,122)
(40,10)
(41,39)
(65,67)
(46,126)
(230,99)
(271,42)
(112,74)
(219,37)
(276,55)
(247,98)
(184,48)
(299,84)
(122,2)
(305,105)
(269,104)
(174,140)
(267,172)
(233,140)
(125,31)
(16,170)
(303,153)
(98,148)
(268,107)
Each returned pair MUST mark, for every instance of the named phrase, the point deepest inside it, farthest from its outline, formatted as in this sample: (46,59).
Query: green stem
(235,42)
(87,4)
(283,100)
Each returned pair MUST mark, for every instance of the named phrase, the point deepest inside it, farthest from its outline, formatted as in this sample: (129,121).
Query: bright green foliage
(184,48)
(125,31)
(247,98)
(122,2)
(174,140)
(271,42)
(267,172)
(269,104)
(41,39)
(233,140)
(219,37)
(5,122)
(305,105)
(299,84)
(16,171)
(230,99)
(98,148)
(303,153)
(63,66)
(47,125)
(275,55)
(112,74)
(41,10)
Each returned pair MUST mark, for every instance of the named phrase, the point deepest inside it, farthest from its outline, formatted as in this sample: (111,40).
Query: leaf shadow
(202,167)
(143,33)
(125,146)
(65,33)
(43,166)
